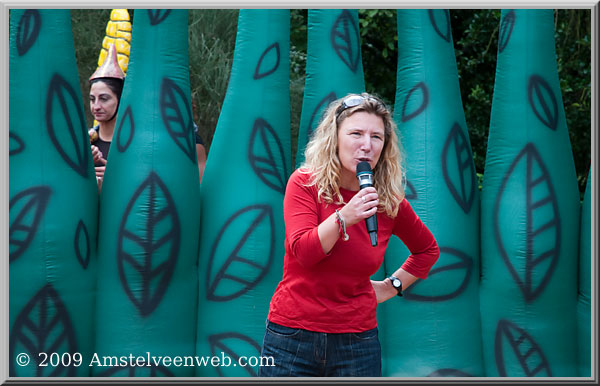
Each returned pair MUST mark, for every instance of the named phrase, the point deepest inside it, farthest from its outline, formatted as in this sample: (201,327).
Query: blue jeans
(303,353)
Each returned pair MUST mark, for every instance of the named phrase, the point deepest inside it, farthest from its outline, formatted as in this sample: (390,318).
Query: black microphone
(365,179)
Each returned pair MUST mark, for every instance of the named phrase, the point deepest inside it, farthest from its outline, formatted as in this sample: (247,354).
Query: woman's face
(103,102)
(361,137)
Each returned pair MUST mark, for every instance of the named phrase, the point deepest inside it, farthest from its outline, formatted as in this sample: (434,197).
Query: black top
(102,145)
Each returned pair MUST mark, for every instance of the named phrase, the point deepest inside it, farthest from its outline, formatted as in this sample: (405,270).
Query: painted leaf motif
(28,30)
(266,156)
(66,125)
(452,274)
(318,112)
(506,28)
(126,130)
(137,371)
(16,144)
(345,40)
(234,345)
(528,174)
(238,262)
(268,62)
(410,193)
(157,16)
(417,96)
(449,373)
(148,244)
(177,117)
(440,20)
(44,325)
(514,345)
(82,244)
(26,210)
(458,168)
(542,101)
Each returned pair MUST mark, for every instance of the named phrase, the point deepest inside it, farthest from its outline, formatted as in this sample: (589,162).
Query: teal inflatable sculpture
(333,66)
(53,201)
(149,208)
(530,210)
(242,230)
(442,188)
(584,313)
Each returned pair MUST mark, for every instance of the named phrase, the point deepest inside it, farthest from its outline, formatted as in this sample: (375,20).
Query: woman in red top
(322,318)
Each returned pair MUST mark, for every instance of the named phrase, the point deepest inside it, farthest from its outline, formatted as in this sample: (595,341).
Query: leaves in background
(229,343)
(26,210)
(148,244)
(82,244)
(224,281)
(420,93)
(266,156)
(16,144)
(157,16)
(272,57)
(44,325)
(126,127)
(345,40)
(542,101)
(533,273)
(177,117)
(523,348)
(28,30)
(506,28)
(322,105)
(440,20)
(457,146)
(66,125)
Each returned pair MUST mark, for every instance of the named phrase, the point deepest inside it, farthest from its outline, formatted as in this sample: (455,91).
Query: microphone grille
(363,167)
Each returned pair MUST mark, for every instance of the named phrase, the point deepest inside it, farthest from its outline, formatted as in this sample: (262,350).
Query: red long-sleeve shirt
(333,293)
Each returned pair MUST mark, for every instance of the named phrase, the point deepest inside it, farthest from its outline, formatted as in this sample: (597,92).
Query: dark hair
(114,84)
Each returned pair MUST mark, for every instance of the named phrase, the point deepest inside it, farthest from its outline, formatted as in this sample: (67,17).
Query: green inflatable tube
(333,66)
(584,312)
(529,210)
(150,210)
(440,315)
(53,201)
(242,229)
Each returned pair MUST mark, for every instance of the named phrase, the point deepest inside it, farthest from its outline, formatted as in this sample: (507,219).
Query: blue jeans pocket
(366,335)
(280,330)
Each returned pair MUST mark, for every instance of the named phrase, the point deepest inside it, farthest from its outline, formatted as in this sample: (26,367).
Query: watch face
(396,283)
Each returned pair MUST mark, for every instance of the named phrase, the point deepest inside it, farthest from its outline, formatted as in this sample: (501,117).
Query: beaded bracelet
(340,220)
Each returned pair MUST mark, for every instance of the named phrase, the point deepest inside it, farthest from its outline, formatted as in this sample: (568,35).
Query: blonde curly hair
(322,160)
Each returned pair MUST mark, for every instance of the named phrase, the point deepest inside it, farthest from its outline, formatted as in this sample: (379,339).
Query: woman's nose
(365,143)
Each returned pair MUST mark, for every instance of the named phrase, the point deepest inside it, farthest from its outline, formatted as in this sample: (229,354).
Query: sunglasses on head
(353,101)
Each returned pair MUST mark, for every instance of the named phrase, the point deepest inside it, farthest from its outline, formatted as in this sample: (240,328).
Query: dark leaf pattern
(126,130)
(533,273)
(345,40)
(224,343)
(137,371)
(440,20)
(66,125)
(16,144)
(28,30)
(266,156)
(82,244)
(316,112)
(542,101)
(410,193)
(452,271)
(419,96)
(506,28)
(457,152)
(177,117)
(449,373)
(227,260)
(269,59)
(157,16)
(148,244)
(44,325)
(26,210)
(522,347)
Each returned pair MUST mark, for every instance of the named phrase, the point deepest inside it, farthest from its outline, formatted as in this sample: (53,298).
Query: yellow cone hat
(110,68)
